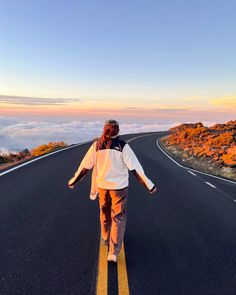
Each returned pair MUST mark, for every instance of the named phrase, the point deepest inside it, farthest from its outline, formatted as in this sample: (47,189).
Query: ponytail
(108,132)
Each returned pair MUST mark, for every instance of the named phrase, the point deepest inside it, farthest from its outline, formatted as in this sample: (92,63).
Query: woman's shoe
(112,258)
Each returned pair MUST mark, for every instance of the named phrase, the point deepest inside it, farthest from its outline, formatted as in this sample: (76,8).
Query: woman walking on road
(111,159)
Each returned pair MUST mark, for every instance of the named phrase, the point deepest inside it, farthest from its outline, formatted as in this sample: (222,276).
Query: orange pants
(112,205)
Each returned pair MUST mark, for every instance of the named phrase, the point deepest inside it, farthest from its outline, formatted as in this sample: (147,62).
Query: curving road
(181,240)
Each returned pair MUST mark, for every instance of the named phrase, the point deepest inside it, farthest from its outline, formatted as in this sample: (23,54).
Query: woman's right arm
(86,164)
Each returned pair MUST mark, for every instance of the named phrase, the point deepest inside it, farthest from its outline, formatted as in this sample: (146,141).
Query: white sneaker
(112,258)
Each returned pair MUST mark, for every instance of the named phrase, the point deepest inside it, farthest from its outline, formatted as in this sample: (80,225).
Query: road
(182,240)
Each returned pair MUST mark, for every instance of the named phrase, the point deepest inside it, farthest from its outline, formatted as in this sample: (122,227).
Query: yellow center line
(123,285)
(102,281)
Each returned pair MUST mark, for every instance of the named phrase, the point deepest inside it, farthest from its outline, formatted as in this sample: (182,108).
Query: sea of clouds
(17,134)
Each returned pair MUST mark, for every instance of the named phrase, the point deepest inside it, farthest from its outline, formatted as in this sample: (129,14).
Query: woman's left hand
(153,191)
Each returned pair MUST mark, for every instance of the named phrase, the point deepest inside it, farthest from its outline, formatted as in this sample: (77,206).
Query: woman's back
(111,159)
(112,173)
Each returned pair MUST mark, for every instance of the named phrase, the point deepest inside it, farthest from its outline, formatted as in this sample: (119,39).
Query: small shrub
(46,148)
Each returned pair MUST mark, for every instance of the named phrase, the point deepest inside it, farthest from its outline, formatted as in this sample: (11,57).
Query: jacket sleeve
(135,167)
(86,164)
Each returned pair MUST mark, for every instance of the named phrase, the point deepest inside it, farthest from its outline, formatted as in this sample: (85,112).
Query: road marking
(123,285)
(157,142)
(102,281)
(41,157)
(210,184)
(192,173)
(227,180)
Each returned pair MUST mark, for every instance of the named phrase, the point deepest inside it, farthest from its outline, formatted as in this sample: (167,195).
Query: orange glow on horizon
(98,111)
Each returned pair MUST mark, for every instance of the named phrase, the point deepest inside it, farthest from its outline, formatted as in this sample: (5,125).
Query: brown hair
(109,130)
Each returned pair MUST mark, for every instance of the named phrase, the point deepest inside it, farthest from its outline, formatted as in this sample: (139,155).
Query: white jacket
(111,166)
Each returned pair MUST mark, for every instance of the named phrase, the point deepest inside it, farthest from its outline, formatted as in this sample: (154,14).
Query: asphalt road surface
(181,240)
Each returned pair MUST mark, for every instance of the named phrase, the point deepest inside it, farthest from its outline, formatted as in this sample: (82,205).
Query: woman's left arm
(133,164)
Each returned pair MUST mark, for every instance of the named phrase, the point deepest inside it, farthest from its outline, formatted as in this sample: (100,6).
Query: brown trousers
(112,205)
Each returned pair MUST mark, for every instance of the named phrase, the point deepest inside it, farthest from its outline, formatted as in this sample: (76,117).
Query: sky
(151,63)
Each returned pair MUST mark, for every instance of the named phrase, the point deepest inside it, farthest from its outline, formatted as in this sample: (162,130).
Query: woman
(111,158)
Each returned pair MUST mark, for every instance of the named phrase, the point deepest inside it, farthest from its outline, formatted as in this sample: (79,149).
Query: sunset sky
(138,61)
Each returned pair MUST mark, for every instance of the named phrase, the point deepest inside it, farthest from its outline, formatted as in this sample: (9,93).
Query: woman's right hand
(69,185)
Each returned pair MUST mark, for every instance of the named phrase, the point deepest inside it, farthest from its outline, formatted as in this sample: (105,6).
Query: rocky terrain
(210,149)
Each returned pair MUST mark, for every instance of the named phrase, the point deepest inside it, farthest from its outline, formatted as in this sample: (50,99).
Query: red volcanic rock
(197,150)
(215,158)
(230,157)
(186,126)
(232,151)
(229,126)
(223,139)
(221,151)
(217,142)
(209,152)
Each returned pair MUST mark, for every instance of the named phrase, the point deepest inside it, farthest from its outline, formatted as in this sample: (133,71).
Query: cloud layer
(17,134)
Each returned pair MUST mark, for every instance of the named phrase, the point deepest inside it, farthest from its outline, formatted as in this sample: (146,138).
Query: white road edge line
(44,156)
(214,176)
(210,184)
(191,173)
